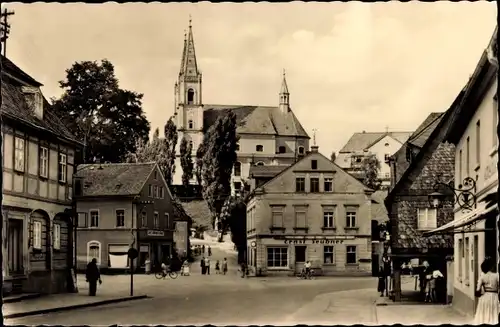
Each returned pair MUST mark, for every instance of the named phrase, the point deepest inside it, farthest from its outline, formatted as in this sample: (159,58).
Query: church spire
(189,67)
(284,96)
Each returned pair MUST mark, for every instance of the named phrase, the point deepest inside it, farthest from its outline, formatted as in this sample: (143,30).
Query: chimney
(34,100)
(314,149)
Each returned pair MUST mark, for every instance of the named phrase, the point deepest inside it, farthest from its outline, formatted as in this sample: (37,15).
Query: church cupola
(284,96)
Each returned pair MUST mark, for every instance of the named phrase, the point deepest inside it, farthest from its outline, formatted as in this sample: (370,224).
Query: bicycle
(163,275)
(304,275)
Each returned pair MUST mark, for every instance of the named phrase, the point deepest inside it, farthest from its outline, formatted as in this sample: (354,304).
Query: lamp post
(464,194)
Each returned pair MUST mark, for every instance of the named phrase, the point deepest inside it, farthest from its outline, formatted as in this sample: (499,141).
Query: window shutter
(432,218)
(421,218)
(57,236)
(37,235)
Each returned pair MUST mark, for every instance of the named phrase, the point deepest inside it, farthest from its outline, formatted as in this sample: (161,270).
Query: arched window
(190,96)
(301,150)
(191,144)
(94,251)
(259,148)
(237,168)
(282,149)
(190,124)
(260,163)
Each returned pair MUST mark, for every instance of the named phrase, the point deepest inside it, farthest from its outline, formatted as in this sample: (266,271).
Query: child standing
(217,267)
(224,266)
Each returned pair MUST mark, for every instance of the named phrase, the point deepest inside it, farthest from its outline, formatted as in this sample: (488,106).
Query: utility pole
(5,28)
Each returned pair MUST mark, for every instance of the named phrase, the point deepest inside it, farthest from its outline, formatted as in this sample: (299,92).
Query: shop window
(277,257)
(328,255)
(351,254)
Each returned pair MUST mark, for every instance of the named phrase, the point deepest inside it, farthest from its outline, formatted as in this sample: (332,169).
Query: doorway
(475,267)
(300,257)
(15,246)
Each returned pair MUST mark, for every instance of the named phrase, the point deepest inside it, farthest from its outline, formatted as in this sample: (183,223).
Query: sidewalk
(69,301)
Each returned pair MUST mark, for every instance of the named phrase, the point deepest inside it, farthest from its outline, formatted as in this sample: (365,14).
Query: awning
(466,220)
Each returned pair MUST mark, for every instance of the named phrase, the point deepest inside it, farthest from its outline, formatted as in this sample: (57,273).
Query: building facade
(361,145)
(120,206)
(474,132)
(411,214)
(311,211)
(38,160)
(268,135)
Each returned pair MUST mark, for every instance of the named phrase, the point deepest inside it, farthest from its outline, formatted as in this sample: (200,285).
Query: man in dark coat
(93,276)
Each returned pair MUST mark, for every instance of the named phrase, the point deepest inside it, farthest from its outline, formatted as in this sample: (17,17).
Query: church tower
(284,96)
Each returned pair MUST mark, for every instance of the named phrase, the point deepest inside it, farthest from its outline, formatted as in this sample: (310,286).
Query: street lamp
(464,195)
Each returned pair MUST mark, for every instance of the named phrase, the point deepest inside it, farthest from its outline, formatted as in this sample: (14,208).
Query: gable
(380,146)
(284,182)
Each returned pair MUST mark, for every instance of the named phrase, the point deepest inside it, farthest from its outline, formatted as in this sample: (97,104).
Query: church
(267,135)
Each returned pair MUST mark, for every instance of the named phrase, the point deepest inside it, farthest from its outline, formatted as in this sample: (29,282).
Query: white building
(473,131)
(381,144)
(268,135)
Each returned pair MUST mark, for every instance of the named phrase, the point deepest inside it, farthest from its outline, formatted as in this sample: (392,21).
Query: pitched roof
(14,103)
(364,140)
(422,133)
(256,120)
(117,179)
(199,212)
(266,171)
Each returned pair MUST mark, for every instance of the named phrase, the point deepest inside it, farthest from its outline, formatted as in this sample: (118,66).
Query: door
(475,266)
(165,252)
(15,246)
(300,257)
(375,264)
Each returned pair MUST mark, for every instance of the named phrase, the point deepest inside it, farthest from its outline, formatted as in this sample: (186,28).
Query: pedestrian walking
(207,264)
(203,267)
(224,266)
(488,305)
(435,279)
(381,281)
(93,276)
(203,249)
(209,251)
(217,267)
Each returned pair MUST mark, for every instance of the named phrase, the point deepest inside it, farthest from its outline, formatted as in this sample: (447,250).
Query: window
(328,254)
(167,220)
(277,213)
(237,147)
(300,217)
(237,168)
(277,257)
(260,163)
(460,258)
(155,191)
(37,235)
(259,148)
(351,254)
(57,236)
(150,191)
(314,164)
(190,96)
(94,218)
(478,143)
(427,218)
(94,251)
(301,150)
(44,162)
(120,218)
(155,175)
(61,171)
(190,124)
(467,158)
(350,218)
(328,184)
(82,219)
(161,192)
(314,185)
(460,165)
(387,157)
(281,149)
(328,219)
(144,219)
(19,154)
(300,184)
(237,187)
(156,220)
(466,251)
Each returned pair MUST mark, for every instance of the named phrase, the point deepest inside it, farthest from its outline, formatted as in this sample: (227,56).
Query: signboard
(317,240)
(181,236)
(155,233)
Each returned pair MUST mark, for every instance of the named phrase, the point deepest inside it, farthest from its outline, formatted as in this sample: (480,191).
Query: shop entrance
(15,246)
(300,257)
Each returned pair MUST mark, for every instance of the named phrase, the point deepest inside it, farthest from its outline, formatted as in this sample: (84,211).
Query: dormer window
(190,96)
(34,100)
(259,148)
(281,149)
(190,124)
(301,150)
(314,164)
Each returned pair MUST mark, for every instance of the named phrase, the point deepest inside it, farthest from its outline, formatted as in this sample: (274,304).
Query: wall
(107,212)
(380,149)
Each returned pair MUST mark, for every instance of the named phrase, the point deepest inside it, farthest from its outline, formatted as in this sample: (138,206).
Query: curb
(73,307)
(14,299)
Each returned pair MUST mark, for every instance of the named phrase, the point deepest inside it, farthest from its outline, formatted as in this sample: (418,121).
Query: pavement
(231,300)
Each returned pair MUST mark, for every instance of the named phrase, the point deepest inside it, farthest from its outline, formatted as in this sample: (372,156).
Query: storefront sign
(155,233)
(318,240)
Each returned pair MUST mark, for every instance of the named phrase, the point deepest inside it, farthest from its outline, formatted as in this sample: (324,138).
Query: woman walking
(381,282)
(488,306)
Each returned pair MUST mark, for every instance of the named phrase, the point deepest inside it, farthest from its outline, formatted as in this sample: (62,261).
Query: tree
(333,156)
(107,118)
(171,139)
(219,156)
(199,164)
(186,150)
(371,168)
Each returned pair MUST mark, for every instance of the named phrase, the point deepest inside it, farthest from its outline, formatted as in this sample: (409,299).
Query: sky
(349,66)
